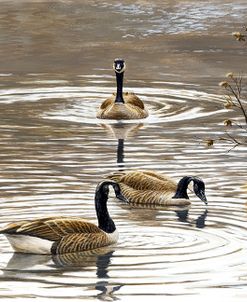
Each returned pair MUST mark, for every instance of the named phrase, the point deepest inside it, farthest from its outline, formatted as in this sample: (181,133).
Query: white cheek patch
(118,67)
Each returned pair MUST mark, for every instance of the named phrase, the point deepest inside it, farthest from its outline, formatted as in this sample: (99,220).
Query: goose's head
(102,191)
(199,189)
(119,65)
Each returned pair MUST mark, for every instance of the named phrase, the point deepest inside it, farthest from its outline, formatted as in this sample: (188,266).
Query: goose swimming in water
(121,105)
(150,187)
(58,235)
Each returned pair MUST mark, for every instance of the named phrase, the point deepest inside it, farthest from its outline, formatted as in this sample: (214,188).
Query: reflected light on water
(54,151)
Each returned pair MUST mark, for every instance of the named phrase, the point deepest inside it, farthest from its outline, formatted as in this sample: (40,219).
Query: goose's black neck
(182,188)
(104,220)
(119,95)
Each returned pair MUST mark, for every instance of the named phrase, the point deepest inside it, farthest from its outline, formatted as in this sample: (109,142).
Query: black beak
(202,196)
(118,193)
(122,198)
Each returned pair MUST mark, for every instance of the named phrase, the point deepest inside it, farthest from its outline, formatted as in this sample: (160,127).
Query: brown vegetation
(235,101)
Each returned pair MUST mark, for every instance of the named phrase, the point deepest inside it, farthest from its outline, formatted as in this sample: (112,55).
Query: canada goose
(58,235)
(149,187)
(121,105)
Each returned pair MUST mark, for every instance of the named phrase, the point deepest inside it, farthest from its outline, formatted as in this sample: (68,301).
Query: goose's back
(50,228)
(145,181)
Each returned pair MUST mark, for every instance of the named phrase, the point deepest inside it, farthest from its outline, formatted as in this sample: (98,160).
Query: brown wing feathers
(147,196)
(133,108)
(68,234)
(79,242)
(145,180)
(65,226)
(12,227)
(133,100)
(147,187)
(106,103)
(38,229)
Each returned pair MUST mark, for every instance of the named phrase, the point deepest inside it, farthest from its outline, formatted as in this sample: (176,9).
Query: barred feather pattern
(81,242)
(68,234)
(148,187)
(132,108)
(145,180)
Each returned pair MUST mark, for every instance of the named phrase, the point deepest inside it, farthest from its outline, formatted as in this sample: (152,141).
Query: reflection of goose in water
(25,262)
(27,265)
(98,257)
(183,216)
(156,216)
(150,187)
(107,291)
(58,235)
(121,105)
(101,258)
(120,153)
(121,131)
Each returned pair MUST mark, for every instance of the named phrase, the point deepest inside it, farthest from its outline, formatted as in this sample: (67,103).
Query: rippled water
(56,69)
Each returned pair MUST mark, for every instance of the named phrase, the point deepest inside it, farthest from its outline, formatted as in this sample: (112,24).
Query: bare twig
(238,95)
(234,100)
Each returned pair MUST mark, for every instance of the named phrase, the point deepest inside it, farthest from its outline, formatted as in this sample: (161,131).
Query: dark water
(55,59)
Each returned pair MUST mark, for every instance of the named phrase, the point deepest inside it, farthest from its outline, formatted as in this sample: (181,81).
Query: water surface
(56,62)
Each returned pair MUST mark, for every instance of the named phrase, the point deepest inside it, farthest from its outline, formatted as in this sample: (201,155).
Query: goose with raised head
(121,105)
(58,235)
(150,187)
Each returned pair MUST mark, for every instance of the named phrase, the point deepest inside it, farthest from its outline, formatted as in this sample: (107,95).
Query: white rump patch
(29,244)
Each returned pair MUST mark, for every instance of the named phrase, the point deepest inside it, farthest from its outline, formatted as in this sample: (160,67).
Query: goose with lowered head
(150,187)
